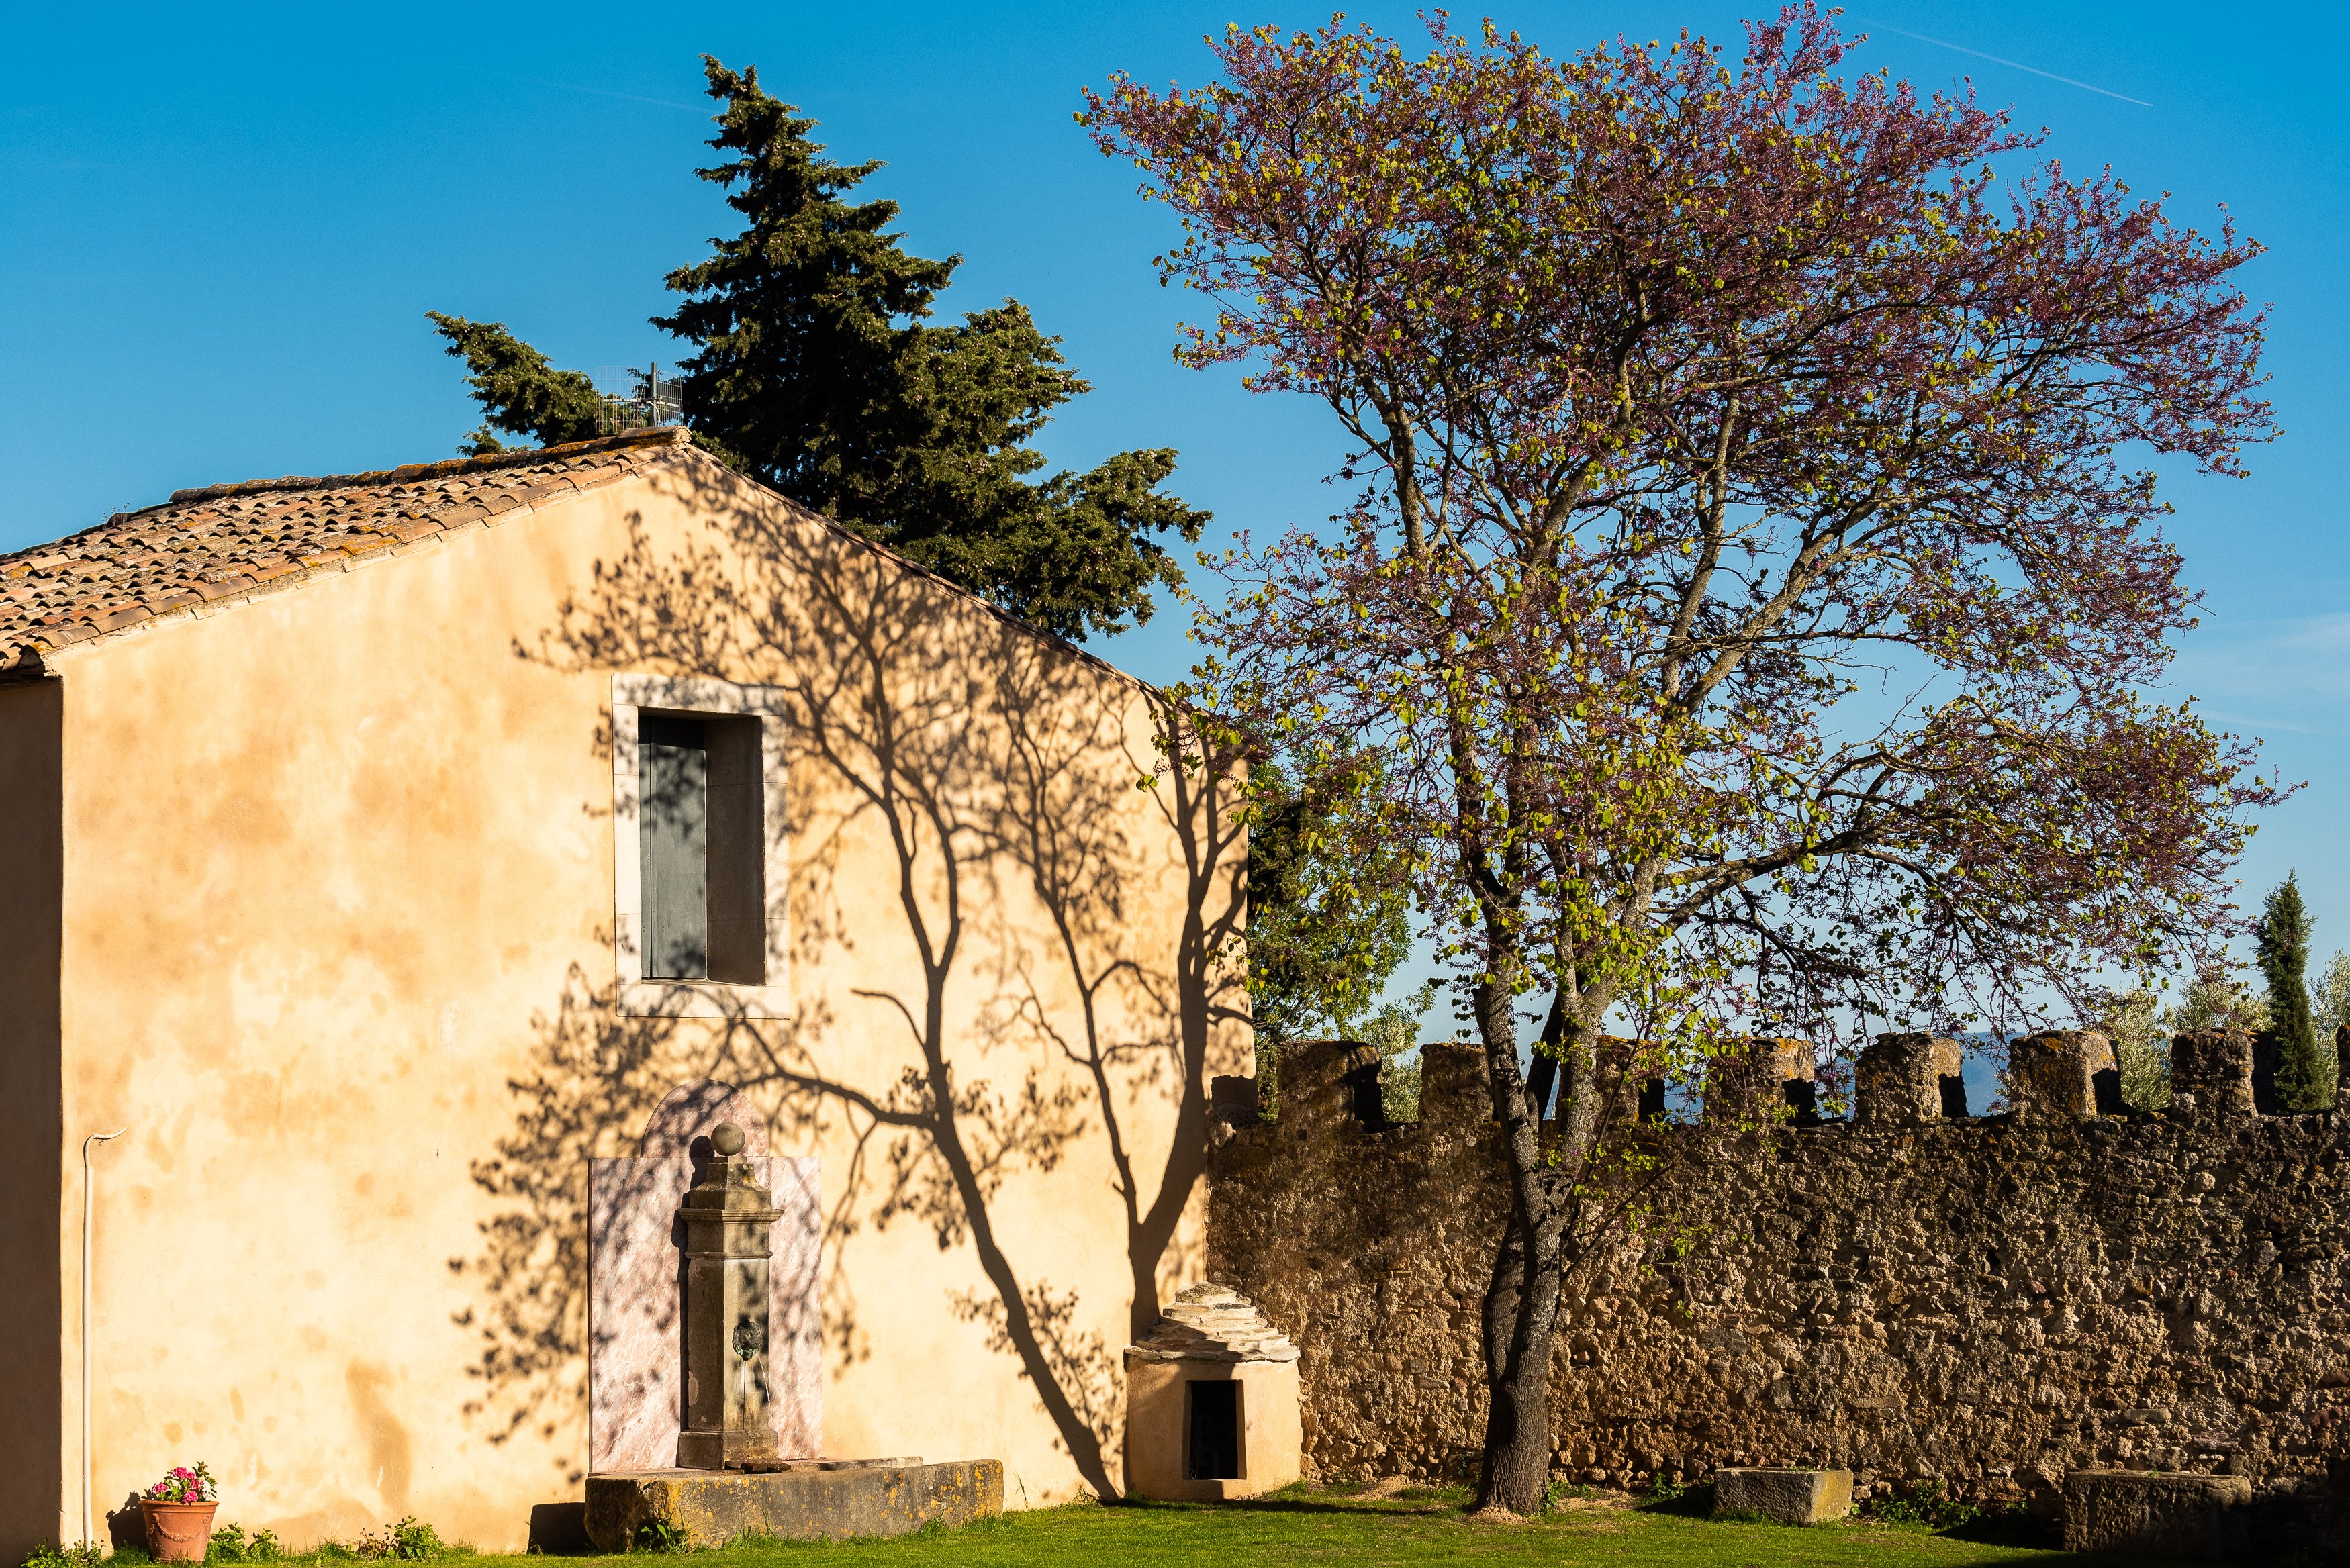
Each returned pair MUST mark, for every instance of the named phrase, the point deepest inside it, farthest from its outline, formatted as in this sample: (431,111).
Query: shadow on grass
(2018,1529)
(1408,1505)
(2056,1555)
(2015,1529)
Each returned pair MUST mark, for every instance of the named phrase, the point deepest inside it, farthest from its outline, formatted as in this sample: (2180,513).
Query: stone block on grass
(1785,1496)
(2164,1515)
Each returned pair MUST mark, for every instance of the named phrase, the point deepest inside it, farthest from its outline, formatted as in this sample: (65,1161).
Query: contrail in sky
(692,109)
(2015,65)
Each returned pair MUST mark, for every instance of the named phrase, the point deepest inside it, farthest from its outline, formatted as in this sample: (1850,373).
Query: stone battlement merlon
(1901,1080)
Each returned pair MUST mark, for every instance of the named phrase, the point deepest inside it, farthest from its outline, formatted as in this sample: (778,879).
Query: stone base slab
(809,1499)
(1787,1496)
(2166,1515)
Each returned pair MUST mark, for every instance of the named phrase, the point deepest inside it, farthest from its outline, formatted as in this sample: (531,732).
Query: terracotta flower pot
(178,1532)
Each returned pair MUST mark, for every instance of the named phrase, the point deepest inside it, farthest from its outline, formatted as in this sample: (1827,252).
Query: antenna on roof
(658,398)
(654,400)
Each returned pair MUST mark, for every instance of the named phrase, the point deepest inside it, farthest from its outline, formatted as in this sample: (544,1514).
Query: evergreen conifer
(2304,1074)
(817,373)
(519,391)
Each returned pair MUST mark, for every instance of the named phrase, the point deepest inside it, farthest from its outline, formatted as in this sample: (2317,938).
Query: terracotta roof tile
(218,540)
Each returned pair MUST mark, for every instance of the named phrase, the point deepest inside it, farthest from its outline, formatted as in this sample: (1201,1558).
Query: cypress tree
(816,372)
(808,324)
(2304,1076)
(519,391)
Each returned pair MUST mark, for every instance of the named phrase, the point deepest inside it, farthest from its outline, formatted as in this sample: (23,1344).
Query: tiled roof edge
(36,645)
(32,648)
(410,473)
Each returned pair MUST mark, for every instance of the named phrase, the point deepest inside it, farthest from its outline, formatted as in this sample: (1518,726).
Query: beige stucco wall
(337,898)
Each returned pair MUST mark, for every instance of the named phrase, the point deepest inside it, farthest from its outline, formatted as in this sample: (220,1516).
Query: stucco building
(381,849)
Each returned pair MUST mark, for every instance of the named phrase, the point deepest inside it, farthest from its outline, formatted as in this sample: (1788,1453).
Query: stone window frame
(658,997)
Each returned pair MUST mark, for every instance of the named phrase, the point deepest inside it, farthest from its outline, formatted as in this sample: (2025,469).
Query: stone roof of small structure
(224,542)
(1212,1322)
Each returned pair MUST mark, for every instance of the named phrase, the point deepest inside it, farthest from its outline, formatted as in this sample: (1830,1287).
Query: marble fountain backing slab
(635,1361)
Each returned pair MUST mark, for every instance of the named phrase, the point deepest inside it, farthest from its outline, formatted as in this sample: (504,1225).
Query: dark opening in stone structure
(1954,1094)
(1212,1431)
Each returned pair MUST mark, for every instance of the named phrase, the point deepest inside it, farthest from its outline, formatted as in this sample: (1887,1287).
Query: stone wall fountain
(705,1352)
(638,1276)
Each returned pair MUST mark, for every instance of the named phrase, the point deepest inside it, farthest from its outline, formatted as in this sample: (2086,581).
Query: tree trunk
(1522,1297)
(1521,1315)
(1504,1290)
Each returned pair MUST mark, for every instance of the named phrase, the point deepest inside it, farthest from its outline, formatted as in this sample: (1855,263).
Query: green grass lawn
(1416,1528)
(1288,1531)
(1301,1528)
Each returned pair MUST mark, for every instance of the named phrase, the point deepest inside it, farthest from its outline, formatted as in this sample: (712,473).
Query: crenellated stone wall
(1988,1302)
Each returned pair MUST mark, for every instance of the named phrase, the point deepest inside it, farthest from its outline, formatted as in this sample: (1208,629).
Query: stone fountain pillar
(729,1220)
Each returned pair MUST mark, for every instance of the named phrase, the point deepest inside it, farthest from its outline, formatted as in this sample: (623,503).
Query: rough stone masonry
(1987,1302)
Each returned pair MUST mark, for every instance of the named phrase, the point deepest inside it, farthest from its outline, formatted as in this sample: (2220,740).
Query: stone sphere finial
(726,1139)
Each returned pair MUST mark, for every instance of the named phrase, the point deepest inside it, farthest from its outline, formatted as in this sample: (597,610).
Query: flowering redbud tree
(1755,576)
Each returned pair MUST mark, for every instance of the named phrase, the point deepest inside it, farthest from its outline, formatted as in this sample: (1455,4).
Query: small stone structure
(807,1499)
(2167,1515)
(1786,1496)
(1985,1303)
(1211,1408)
(1906,1080)
(2214,1068)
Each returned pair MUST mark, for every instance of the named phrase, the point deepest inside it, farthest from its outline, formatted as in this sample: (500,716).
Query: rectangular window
(698,847)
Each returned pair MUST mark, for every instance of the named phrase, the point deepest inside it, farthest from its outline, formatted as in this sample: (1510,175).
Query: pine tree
(807,321)
(519,391)
(817,373)
(2305,1073)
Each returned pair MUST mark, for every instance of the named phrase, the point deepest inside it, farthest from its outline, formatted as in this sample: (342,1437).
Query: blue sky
(220,230)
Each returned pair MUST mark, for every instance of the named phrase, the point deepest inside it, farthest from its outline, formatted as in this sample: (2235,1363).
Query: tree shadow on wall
(983,779)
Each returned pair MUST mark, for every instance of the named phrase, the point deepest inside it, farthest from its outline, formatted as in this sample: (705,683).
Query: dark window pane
(673,845)
(738,922)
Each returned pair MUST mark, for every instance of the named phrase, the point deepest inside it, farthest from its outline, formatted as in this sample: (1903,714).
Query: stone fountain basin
(808,1499)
